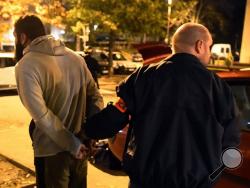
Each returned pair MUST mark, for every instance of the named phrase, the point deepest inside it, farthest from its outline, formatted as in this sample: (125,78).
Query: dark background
(225,19)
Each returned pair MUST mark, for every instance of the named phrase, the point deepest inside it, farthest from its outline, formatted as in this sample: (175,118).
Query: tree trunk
(144,38)
(78,43)
(199,8)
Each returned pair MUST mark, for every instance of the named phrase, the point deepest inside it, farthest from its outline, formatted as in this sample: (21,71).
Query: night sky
(226,28)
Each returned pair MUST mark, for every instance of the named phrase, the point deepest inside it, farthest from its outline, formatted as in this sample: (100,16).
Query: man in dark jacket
(93,67)
(182,116)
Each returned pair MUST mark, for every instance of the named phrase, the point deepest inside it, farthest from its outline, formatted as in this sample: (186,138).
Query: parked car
(153,52)
(238,178)
(7,71)
(121,65)
(137,57)
(240,84)
(102,59)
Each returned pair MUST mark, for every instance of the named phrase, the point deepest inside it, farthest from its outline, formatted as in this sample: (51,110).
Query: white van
(221,51)
(7,71)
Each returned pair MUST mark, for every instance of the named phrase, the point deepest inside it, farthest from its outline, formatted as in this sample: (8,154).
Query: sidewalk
(15,143)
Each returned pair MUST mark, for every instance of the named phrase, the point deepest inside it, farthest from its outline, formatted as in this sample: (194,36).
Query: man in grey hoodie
(57,89)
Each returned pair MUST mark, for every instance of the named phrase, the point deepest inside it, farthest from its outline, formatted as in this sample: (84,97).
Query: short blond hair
(187,35)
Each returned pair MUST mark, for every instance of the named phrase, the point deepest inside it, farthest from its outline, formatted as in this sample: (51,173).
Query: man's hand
(91,145)
(82,152)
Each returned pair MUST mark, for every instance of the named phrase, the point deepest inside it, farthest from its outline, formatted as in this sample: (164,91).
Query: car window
(242,96)
(99,56)
(8,48)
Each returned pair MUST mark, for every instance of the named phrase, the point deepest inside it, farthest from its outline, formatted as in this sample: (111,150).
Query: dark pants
(59,171)
(38,162)
(39,167)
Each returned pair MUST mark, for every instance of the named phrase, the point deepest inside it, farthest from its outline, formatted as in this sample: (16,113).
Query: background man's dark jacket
(93,67)
(183,116)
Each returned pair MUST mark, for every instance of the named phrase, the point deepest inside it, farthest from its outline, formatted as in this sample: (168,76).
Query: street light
(169,14)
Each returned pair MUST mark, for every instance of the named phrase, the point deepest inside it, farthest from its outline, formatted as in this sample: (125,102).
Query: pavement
(15,144)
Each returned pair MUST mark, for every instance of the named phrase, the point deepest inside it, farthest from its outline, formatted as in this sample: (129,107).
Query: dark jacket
(183,117)
(93,66)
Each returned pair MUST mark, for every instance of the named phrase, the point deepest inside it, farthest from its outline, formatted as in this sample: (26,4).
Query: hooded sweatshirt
(57,89)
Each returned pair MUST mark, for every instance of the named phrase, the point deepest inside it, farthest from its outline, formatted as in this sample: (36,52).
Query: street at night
(182,118)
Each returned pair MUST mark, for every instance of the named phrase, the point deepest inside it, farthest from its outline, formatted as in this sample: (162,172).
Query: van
(221,51)
(7,71)
(221,54)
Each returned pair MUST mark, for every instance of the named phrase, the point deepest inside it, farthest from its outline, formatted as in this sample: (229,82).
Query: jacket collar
(184,58)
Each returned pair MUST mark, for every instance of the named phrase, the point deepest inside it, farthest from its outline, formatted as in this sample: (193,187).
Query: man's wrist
(77,145)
